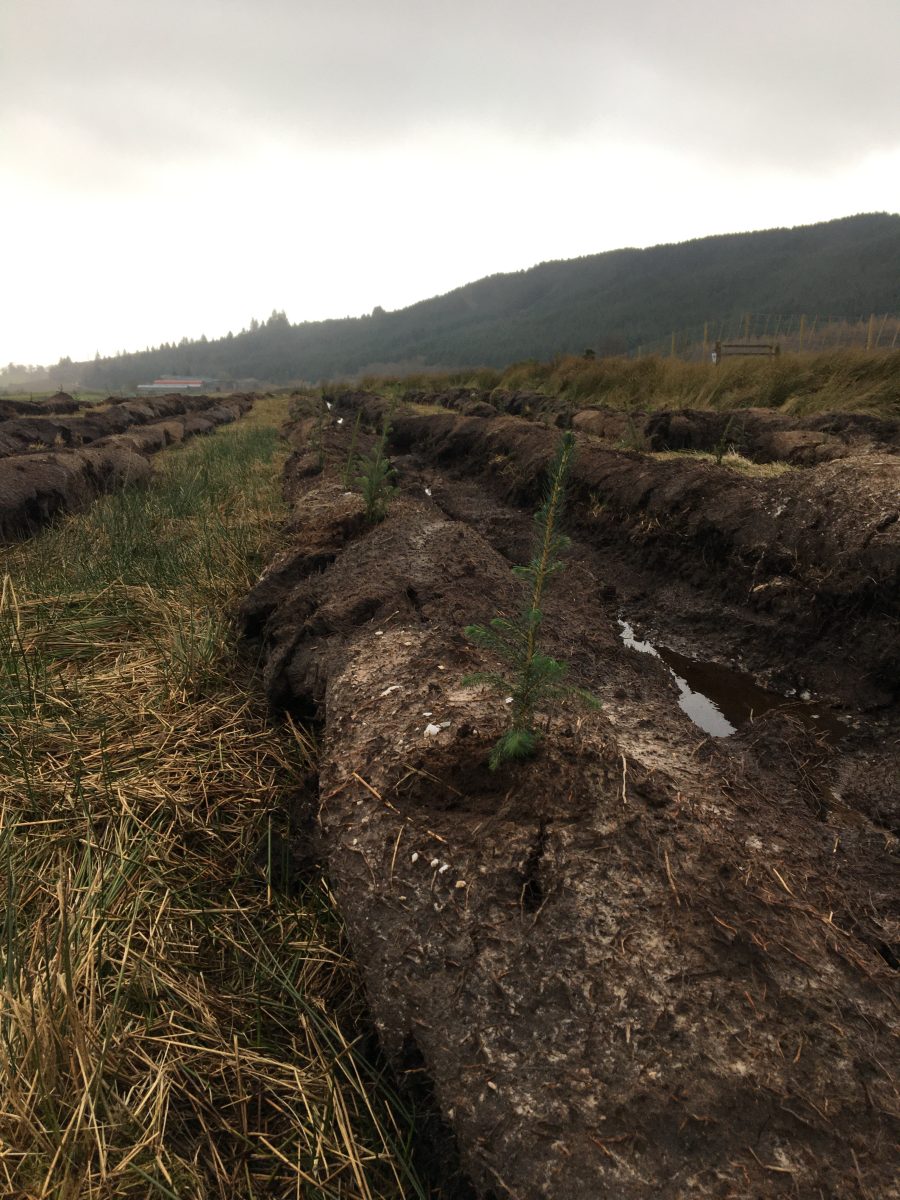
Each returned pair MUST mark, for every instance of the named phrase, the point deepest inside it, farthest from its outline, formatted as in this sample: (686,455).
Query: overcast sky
(176,167)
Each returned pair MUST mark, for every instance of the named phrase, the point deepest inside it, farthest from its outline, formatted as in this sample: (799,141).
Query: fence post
(870,332)
(802,331)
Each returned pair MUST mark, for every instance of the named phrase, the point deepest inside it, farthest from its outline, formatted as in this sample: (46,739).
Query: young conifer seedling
(531,678)
(318,434)
(375,478)
(350,465)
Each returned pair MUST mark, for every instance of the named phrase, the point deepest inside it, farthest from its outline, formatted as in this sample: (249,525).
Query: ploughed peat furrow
(101,451)
(619,974)
(25,433)
(757,433)
(812,558)
(62,402)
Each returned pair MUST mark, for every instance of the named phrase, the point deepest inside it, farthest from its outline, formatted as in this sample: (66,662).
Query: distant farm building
(181,383)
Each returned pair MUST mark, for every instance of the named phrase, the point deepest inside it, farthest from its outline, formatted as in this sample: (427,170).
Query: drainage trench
(719,699)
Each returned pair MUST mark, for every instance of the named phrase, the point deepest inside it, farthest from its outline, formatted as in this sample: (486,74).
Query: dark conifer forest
(613,303)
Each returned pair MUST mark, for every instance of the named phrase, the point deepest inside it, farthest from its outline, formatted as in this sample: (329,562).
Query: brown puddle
(719,700)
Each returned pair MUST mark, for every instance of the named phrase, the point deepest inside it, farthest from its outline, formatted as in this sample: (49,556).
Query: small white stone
(441,667)
(414,857)
(395,687)
(435,862)
(428,491)
(804,695)
(340,420)
(379,633)
(508,700)
(443,867)
(426,714)
(432,730)
(460,883)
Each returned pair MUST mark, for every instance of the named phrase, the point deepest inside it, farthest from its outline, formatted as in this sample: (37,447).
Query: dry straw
(178,1013)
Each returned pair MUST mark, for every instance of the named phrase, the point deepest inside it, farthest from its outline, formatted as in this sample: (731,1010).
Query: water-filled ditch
(719,699)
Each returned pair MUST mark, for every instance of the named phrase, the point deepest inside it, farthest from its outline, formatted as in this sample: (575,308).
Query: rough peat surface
(33,431)
(812,555)
(61,402)
(646,963)
(97,453)
(758,433)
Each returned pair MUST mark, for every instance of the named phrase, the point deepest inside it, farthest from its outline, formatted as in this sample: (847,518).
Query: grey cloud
(800,84)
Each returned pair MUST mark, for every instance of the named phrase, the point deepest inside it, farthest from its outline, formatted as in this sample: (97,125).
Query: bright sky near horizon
(179,167)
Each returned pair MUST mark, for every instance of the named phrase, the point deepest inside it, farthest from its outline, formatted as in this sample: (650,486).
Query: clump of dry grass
(849,380)
(737,462)
(179,1016)
(845,380)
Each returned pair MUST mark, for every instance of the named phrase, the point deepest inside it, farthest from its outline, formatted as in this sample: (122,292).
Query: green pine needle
(531,677)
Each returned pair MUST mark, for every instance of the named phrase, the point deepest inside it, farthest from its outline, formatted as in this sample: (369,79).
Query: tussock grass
(175,1021)
(736,462)
(845,380)
(849,380)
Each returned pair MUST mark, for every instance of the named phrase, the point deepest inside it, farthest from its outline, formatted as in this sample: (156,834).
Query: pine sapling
(375,478)
(350,465)
(724,445)
(531,677)
(318,434)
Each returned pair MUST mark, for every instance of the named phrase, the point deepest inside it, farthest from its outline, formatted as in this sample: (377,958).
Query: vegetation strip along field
(174,1020)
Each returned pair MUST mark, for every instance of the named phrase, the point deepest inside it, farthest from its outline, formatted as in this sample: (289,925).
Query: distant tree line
(612,303)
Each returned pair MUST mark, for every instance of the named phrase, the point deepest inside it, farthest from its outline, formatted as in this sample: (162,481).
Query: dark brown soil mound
(643,964)
(34,487)
(757,433)
(22,434)
(811,558)
(62,402)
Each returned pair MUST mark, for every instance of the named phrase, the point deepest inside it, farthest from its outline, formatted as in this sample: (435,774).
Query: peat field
(659,958)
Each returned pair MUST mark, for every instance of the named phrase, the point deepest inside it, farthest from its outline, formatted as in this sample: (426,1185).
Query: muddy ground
(760,434)
(97,453)
(796,577)
(650,961)
(60,402)
(27,432)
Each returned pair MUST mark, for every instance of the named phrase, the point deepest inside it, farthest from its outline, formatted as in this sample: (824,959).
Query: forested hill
(611,302)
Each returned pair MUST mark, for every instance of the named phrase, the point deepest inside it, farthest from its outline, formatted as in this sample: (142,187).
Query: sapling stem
(375,477)
(532,676)
(347,477)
